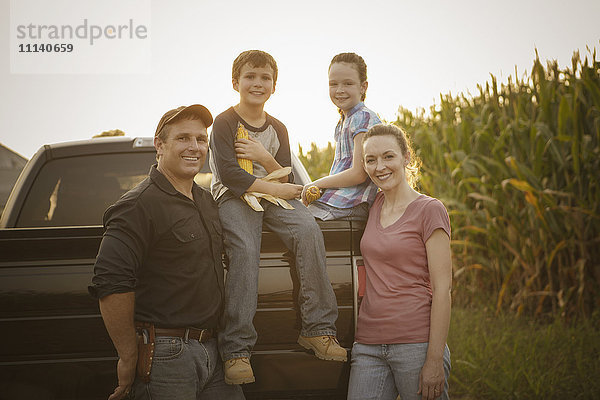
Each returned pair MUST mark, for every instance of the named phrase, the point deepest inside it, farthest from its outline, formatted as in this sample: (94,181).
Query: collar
(161,181)
(163,184)
(354,109)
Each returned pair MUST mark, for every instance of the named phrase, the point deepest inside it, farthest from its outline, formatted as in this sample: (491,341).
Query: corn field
(518,167)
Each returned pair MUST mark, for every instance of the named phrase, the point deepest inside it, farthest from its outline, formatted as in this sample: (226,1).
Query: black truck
(54,344)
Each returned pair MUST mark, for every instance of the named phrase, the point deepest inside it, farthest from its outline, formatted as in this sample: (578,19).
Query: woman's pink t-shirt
(397,302)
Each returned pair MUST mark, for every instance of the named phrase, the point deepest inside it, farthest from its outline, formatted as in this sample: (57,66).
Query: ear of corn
(244,163)
(312,193)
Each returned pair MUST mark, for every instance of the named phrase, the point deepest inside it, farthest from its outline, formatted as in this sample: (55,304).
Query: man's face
(255,84)
(183,152)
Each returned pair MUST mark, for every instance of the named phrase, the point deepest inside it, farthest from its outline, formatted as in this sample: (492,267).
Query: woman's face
(384,162)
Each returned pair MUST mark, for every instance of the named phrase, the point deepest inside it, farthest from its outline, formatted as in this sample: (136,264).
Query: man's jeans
(186,370)
(242,231)
(384,371)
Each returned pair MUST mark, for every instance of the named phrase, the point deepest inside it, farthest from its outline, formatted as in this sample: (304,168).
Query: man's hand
(251,149)
(288,191)
(117,313)
(126,376)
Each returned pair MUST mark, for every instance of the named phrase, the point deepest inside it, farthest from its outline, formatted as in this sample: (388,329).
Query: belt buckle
(201,334)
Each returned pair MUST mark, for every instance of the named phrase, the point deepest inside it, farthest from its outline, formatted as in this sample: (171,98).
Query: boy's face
(255,84)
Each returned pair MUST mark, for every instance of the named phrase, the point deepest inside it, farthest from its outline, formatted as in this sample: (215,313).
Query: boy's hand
(251,149)
(288,191)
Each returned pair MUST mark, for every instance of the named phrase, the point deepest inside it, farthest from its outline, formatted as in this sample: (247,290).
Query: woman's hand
(431,379)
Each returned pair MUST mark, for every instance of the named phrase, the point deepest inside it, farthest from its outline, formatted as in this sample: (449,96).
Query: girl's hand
(303,195)
(431,380)
(251,149)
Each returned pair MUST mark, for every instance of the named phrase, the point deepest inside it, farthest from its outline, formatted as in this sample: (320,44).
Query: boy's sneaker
(238,371)
(325,347)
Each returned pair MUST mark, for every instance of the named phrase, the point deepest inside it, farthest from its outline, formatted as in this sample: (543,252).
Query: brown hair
(254,58)
(358,63)
(413,168)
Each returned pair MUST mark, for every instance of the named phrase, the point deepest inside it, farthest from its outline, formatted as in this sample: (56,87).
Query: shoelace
(328,339)
(242,360)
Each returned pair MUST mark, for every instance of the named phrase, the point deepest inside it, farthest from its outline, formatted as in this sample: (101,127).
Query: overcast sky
(414,51)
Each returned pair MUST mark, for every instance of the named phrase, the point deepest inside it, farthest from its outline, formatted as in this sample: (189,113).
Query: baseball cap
(171,116)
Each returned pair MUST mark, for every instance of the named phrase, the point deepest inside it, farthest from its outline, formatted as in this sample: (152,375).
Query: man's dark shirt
(167,249)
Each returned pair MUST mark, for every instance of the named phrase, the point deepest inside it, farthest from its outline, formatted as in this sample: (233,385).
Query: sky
(414,50)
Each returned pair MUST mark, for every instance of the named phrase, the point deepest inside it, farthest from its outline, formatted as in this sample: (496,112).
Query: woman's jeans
(186,370)
(242,232)
(384,371)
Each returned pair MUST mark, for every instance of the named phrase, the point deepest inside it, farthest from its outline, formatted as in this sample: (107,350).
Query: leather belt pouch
(146,340)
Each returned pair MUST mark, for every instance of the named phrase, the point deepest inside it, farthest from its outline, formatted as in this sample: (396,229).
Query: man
(158,275)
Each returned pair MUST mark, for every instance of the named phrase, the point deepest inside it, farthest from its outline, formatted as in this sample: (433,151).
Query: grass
(510,357)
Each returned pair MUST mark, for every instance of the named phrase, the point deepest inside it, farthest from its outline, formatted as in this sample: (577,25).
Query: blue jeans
(242,233)
(384,371)
(325,212)
(186,371)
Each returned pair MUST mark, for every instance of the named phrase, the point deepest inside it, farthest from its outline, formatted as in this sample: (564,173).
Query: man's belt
(201,335)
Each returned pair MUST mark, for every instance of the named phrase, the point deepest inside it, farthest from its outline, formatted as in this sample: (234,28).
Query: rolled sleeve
(122,250)
(114,270)
(361,122)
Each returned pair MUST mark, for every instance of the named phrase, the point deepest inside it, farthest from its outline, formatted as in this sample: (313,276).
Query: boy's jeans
(242,231)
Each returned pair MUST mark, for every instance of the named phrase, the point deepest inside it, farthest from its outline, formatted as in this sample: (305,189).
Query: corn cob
(245,164)
(312,194)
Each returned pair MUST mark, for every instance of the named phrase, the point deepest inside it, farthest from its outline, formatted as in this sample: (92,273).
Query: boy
(254,75)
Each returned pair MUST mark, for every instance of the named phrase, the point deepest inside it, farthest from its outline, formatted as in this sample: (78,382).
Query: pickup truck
(54,344)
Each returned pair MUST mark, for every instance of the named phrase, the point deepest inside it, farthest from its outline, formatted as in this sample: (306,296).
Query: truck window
(77,190)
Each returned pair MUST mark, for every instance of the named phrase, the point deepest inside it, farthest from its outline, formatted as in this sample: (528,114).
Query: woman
(400,345)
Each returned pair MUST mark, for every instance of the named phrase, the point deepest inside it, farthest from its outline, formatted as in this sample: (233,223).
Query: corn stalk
(518,167)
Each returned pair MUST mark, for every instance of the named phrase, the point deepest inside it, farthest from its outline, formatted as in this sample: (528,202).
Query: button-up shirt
(358,120)
(167,249)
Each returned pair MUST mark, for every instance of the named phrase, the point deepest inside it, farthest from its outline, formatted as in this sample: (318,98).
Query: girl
(400,344)
(347,190)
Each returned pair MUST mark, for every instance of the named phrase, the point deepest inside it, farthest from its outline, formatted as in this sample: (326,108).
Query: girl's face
(345,89)
(384,162)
